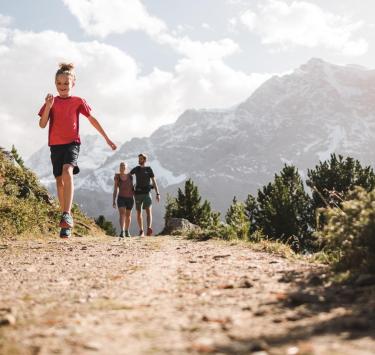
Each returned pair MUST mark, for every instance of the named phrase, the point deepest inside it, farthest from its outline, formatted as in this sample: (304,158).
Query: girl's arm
(45,115)
(115,189)
(99,128)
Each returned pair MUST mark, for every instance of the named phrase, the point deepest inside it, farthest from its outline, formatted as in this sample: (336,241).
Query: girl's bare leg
(67,178)
(60,191)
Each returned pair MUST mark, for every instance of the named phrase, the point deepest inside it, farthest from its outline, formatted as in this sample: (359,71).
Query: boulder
(178,226)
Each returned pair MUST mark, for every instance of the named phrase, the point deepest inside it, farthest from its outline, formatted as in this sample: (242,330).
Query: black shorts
(64,154)
(127,202)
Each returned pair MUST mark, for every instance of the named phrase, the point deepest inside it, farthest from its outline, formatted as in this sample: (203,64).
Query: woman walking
(124,191)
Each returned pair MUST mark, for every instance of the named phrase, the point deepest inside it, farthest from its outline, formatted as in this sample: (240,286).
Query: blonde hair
(66,69)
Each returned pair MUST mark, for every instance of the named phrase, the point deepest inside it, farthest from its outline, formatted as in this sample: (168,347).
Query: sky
(142,63)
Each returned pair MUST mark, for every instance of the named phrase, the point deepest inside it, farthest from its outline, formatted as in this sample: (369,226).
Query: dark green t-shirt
(143,179)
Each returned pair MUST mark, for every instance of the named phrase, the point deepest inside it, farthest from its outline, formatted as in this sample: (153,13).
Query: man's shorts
(127,202)
(64,154)
(143,200)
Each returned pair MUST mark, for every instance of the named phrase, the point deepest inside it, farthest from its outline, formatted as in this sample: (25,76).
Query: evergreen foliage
(335,177)
(188,205)
(237,219)
(349,235)
(106,225)
(17,157)
(283,210)
(251,208)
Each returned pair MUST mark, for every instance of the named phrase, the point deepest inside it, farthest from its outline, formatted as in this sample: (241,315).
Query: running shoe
(127,234)
(149,232)
(66,220)
(121,234)
(141,233)
(65,232)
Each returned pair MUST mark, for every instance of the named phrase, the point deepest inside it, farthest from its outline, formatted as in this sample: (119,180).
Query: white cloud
(195,49)
(213,84)
(233,25)
(126,103)
(248,18)
(5,20)
(302,23)
(100,17)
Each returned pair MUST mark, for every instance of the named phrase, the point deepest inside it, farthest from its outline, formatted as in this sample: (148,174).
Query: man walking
(144,175)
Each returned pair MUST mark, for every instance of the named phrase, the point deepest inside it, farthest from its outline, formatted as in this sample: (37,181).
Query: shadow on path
(316,307)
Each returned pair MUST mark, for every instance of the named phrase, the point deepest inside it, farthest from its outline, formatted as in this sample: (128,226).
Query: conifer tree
(170,207)
(17,157)
(332,179)
(106,225)
(251,207)
(284,209)
(237,219)
(188,205)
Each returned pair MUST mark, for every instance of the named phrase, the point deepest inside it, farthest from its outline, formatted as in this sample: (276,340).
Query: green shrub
(26,206)
(220,231)
(349,235)
(18,216)
(106,225)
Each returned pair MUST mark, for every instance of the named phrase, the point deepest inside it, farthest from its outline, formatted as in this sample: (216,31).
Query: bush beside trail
(283,213)
(26,208)
(348,238)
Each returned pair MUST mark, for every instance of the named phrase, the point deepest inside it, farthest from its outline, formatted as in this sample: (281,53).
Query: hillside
(26,207)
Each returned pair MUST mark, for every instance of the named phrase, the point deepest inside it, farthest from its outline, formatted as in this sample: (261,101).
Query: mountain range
(299,118)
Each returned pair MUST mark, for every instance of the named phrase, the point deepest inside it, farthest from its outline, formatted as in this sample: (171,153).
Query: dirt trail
(168,295)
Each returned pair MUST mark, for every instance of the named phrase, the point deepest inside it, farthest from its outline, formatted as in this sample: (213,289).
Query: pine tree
(251,208)
(170,207)
(106,225)
(332,180)
(188,205)
(284,210)
(17,157)
(237,219)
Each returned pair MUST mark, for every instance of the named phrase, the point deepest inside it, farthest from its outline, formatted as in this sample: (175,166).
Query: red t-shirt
(64,119)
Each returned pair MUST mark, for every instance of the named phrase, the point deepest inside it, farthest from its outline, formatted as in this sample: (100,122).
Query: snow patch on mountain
(336,137)
(344,90)
(164,176)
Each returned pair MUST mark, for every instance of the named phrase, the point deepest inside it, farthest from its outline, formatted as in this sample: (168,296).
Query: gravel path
(169,295)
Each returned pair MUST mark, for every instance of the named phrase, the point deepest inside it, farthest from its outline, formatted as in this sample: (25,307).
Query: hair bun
(66,66)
